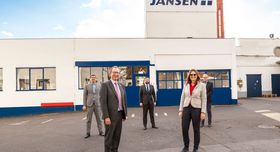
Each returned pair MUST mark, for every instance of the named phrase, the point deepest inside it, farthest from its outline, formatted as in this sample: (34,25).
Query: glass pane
(211,75)
(162,84)
(225,75)
(225,83)
(98,72)
(162,76)
(170,85)
(1,79)
(170,75)
(105,74)
(36,78)
(126,75)
(23,79)
(49,78)
(201,74)
(139,80)
(140,69)
(218,75)
(218,83)
(177,84)
(185,74)
(84,76)
(177,75)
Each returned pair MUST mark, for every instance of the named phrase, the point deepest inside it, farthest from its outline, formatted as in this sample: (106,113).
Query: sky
(121,18)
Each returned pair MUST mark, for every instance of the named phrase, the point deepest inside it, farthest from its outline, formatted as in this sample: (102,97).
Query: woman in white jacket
(192,108)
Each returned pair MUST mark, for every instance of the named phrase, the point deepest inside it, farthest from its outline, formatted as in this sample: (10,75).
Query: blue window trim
(89,64)
(29,74)
(182,77)
(110,63)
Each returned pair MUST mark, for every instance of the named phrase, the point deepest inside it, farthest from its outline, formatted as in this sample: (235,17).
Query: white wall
(255,56)
(181,24)
(166,54)
(37,53)
(181,21)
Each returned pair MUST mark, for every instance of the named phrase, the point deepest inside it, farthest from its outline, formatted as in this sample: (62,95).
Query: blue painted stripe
(20,111)
(109,63)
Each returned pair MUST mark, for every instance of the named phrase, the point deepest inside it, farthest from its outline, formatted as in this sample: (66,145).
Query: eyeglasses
(192,74)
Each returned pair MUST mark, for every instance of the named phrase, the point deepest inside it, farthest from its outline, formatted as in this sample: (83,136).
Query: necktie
(118,95)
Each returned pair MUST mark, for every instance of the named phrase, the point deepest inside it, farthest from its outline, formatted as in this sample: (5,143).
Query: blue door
(275,82)
(254,85)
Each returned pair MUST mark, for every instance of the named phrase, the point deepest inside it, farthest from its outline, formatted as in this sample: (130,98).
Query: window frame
(30,77)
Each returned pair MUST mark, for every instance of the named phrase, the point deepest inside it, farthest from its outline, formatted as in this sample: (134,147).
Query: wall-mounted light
(240,83)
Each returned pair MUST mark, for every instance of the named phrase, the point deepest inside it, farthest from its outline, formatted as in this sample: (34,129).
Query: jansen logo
(182,2)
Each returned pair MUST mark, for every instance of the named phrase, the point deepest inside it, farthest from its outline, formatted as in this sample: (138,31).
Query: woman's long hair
(189,78)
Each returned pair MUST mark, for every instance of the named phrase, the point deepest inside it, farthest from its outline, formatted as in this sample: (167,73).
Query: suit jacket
(147,96)
(91,97)
(109,100)
(197,99)
(209,90)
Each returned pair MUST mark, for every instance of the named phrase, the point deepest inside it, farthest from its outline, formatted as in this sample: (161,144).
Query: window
(1,79)
(169,80)
(103,74)
(36,79)
(219,79)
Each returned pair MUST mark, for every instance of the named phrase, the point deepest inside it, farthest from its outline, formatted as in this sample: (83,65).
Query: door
(254,85)
(275,83)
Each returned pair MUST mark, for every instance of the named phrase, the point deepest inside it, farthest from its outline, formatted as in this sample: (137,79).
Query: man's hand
(141,104)
(155,103)
(84,108)
(202,116)
(107,121)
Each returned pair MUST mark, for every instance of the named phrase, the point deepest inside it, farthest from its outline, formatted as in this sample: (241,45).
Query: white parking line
(84,118)
(47,121)
(19,123)
(165,114)
(262,111)
(275,115)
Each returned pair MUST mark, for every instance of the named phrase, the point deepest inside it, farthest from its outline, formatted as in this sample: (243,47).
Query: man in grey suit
(114,107)
(147,98)
(92,104)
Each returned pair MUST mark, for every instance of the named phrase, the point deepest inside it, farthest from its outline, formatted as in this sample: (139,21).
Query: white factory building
(48,75)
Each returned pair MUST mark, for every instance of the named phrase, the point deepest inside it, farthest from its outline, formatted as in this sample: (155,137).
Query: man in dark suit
(147,101)
(114,108)
(209,89)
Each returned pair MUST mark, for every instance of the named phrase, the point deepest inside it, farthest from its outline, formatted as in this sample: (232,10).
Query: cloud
(91,4)
(4,23)
(250,19)
(59,27)
(7,34)
(122,18)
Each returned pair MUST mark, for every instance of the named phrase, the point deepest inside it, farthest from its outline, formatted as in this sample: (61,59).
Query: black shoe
(87,136)
(195,150)
(209,125)
(145,128)
(202,125)
(155,127)
(185,150)
(101,134)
